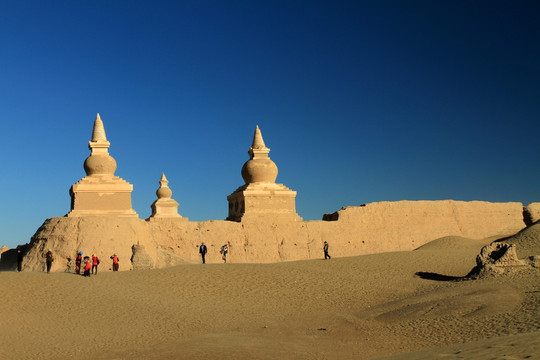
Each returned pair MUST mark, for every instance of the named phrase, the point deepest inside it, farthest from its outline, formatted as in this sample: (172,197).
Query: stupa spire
(163,179)
(99,145)
(258,142)
(99,130)
(164,192)
(258,149)
(99,162)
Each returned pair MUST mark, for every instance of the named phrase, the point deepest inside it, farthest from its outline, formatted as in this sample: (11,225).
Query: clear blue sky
(359,101)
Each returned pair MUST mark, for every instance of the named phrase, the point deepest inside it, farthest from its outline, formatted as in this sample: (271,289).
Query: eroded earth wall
(406,225)
(531,213)
(371,228)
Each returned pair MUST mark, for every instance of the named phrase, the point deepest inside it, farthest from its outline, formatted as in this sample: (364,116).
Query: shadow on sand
(439,277)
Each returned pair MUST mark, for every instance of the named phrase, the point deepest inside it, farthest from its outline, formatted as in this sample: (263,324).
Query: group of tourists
(86,264)
(91,264)
(223,251)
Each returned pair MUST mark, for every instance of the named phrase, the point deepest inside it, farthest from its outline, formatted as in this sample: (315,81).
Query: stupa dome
(99,162)
(100,165)
(164,191)
(259,168)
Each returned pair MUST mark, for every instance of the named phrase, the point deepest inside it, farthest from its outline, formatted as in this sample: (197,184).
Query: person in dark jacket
(325,249)
(19,260)
(202,251)
(49,258)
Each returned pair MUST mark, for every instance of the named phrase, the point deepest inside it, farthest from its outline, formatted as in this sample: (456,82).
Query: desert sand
(362,307)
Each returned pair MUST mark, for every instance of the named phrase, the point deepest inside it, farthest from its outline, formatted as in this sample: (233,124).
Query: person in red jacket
(95,263)
(87,266)
(78,261)
(115,264)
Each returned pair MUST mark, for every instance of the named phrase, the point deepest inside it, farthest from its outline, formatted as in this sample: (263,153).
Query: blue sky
(358,101)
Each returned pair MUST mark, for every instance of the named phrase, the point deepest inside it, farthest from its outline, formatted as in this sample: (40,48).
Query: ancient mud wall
(100,235)
(406,225)
(531,213)
(371,228)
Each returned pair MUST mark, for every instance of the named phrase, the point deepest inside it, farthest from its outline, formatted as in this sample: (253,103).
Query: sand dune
(454,243)
(346,308)
(522,346)
(527,241)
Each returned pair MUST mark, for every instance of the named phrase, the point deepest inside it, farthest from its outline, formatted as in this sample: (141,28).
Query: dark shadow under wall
(8,259)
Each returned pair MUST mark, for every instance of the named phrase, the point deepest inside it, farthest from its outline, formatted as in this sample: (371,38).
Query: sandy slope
(347,308)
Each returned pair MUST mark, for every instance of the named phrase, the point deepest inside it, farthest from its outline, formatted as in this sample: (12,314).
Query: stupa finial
(258,149)
(258,142)
(99,130)
(99,162)
(163,179)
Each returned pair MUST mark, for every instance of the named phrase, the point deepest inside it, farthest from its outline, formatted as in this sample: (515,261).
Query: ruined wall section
(372,228)
(406,225)
(100,235)
(531,213)
(255,242)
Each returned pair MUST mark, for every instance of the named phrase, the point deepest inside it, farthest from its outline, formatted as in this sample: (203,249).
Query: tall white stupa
(100,192)
(261,198)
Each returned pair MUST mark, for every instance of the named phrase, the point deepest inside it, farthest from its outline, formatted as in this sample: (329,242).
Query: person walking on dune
(224,251)
(325,249)
(202,251)
(49,258)
(115,264)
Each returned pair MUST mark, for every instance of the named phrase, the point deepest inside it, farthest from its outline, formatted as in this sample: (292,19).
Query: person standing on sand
(78,261)
(325,249)
(115,264)
(202,251)
(87,266)
(49,258)
(95,263)
(19,260)
(224,251)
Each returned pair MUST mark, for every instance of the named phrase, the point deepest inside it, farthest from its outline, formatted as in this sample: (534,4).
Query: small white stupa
(261,198)
(164,207)
(100,192)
